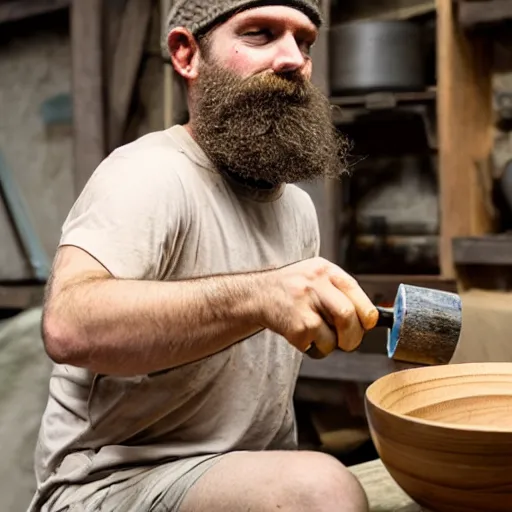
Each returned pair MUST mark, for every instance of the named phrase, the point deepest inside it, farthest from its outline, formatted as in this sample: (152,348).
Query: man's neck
(250,182)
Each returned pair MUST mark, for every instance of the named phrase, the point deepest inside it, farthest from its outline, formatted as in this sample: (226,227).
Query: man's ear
(184,52)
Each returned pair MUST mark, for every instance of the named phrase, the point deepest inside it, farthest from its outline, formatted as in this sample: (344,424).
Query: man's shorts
(149,489)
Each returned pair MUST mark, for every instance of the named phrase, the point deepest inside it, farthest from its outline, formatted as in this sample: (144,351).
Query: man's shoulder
(155,148)
(153,160)
(301,199)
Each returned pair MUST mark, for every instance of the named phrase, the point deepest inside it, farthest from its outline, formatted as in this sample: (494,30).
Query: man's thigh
(269,481)
(149,489)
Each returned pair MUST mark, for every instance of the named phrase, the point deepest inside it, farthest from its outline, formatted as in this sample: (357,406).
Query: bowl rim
(441,424)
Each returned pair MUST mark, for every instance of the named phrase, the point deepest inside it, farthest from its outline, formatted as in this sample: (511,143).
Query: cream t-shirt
(157,210)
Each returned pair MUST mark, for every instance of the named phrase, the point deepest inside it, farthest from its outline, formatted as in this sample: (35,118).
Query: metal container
(377,56)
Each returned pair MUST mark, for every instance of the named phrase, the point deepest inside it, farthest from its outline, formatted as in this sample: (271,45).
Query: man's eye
(259,33)
(306,48)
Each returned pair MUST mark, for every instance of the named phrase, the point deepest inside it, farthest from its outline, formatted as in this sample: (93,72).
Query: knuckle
(301,288)
(345,316)
(310,324)
(320,267)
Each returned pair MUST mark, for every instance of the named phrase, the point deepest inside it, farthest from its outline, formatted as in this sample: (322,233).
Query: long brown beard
(269,127)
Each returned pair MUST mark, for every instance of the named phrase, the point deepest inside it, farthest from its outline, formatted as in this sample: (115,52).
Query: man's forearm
(126,327)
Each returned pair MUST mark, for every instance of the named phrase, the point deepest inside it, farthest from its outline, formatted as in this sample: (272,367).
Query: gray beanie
(200,15)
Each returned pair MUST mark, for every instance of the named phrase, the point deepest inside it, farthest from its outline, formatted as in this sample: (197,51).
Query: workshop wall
(35,131)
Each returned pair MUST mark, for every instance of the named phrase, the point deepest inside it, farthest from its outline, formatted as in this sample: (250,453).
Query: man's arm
(131,327)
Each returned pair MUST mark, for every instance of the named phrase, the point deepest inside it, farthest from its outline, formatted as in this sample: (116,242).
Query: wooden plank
(20,297)
(472,15)
(388,99)
(486,250)
(126,65)
(15,10)
(89,126)
(354,367)
(384,494)
(465,133)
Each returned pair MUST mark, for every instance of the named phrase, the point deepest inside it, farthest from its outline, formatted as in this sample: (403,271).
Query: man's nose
(289,56)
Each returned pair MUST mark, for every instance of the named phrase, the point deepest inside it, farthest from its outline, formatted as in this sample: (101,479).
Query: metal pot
(371,56)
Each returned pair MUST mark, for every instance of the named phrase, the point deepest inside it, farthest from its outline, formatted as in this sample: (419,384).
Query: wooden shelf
(483,250)
(484,13)
(352,367)
(380,100)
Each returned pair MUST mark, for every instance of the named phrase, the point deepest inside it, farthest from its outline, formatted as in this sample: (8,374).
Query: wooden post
(465,133)
(125,67)
(88,110)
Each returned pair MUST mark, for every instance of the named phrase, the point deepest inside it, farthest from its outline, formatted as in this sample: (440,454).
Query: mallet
(424,326)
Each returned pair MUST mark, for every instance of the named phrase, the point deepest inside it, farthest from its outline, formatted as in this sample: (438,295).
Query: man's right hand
(315,301)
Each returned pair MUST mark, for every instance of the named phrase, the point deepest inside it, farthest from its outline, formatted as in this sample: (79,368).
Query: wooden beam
(15,10)
(88,111)
(465,133)
(126,65)
(483,13)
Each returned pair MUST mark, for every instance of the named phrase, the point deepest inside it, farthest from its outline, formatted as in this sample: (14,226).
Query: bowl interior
(474,396)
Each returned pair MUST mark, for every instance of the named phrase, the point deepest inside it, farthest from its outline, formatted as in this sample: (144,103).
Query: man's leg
(269,481)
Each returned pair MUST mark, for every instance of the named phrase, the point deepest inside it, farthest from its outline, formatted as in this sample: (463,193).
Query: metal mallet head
(424,325)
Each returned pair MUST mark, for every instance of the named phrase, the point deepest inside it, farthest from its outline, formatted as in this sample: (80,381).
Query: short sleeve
(311,227)
(129,212)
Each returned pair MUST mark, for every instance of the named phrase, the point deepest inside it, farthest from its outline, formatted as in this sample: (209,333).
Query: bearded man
(187,286)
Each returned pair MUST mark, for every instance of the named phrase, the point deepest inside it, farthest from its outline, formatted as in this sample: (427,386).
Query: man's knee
(319,483)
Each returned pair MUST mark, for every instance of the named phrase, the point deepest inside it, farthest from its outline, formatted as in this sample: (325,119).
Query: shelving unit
(463,106)
(462,103)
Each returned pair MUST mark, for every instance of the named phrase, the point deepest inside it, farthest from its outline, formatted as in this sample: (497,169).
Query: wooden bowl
(445,434)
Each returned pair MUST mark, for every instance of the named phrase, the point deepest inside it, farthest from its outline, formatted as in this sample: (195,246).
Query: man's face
(255,111)
(266,39)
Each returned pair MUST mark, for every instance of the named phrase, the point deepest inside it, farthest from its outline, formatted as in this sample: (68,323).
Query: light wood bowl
(445,434)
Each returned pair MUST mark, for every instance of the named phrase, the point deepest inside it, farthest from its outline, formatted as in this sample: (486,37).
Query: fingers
(317,336)
(343,314)
(324,339)
(365,309)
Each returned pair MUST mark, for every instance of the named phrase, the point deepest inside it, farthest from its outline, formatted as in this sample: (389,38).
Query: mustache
(288,87)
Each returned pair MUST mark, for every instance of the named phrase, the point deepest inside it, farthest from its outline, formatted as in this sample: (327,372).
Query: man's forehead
(285,15)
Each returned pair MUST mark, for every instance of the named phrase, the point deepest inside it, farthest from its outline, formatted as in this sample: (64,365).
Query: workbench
(383,492)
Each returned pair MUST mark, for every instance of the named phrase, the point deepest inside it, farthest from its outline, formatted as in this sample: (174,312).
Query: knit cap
(201,15)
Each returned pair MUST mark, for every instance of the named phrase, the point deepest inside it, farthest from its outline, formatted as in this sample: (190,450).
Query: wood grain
(384,494)
(445,434)
(465,133)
